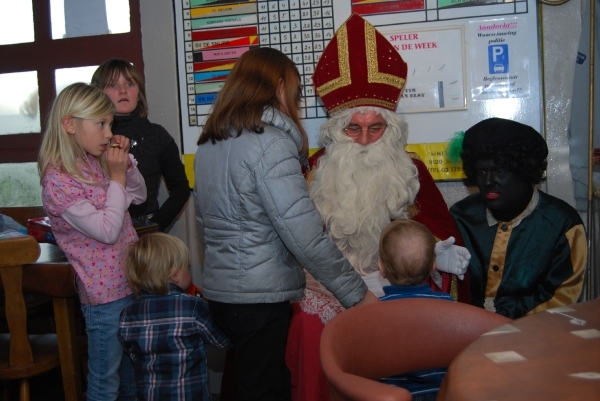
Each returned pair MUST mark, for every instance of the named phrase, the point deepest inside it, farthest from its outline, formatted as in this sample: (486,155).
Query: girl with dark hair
(258,227)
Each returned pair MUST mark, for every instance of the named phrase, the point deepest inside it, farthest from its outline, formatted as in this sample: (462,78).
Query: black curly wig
(510,144)
(514,156)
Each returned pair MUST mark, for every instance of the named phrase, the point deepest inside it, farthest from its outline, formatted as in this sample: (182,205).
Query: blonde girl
(88,181)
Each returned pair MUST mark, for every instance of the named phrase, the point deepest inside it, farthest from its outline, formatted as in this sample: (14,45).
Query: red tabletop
(550,355)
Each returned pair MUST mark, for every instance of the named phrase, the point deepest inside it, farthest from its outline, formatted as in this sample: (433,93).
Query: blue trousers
(111,375)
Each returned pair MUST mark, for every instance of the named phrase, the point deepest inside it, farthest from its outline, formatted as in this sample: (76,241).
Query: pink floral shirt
(93,227)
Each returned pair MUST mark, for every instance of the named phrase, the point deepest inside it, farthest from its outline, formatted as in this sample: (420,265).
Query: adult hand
(452,258)
(369,298)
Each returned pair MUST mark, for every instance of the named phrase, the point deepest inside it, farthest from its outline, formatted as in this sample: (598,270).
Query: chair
(21,355)
(37,305)
(366,343)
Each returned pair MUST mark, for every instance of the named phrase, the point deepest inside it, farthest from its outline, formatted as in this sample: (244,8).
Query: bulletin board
(467,60)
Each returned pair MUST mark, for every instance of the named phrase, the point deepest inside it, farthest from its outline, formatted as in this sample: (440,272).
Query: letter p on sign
(498,59)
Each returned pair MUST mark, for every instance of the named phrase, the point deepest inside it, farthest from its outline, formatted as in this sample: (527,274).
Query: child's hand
(117,161)
(120,140)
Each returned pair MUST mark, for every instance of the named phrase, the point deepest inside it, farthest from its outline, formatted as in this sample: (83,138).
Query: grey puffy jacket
(257,223)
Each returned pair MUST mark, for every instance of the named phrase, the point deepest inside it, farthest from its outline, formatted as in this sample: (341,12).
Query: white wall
(158,44)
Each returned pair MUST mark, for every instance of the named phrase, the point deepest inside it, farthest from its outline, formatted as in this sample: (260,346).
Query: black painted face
(505,195)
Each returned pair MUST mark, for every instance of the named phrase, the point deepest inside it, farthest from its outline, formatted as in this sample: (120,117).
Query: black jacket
(157,155)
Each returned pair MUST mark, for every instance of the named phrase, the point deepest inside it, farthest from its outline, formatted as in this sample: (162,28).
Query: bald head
(406,252)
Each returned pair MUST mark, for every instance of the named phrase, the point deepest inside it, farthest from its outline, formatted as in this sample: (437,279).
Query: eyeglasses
(374,130)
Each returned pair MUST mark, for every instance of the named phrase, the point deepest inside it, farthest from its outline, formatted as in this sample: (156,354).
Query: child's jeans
(111,374)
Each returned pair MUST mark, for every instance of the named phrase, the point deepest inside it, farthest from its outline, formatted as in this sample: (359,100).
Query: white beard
(358,189)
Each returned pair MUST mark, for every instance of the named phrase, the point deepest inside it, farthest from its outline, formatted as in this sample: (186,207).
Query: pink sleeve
(136,186)
(103,225)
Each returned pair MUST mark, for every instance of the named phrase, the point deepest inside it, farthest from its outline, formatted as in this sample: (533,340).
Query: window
(19,103)
(42,57)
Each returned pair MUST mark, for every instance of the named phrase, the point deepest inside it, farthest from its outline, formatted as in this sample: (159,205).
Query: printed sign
(499,58)
(436,74)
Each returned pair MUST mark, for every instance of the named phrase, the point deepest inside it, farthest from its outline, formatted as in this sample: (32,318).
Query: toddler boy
(406,259)
(164,330)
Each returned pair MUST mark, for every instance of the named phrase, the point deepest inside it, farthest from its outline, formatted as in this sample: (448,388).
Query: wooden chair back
(363,344)
(22,356)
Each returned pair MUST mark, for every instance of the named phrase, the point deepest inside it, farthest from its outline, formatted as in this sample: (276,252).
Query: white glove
(451,258)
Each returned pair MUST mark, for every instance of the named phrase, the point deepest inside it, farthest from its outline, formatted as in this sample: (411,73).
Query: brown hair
(152,260)
(108,73)
(251,87)
(406,252)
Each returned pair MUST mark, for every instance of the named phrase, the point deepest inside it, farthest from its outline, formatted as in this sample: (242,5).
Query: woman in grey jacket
(258,225)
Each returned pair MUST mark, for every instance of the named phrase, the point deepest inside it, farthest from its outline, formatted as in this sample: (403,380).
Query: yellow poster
(434,157)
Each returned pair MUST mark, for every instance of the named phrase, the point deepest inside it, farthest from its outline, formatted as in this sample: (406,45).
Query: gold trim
(364,102)
(415,156)
(454,287)
(343,62)
(373,74)
(498,258)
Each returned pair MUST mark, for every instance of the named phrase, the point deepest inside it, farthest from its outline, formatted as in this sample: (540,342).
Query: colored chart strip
(196,3)
(206,99)
(383,7)
(452,3)
(214,65)
(223,43)
(210,76)
(221,11)
(209,87)
(223,21)
(224,33)
(220,54)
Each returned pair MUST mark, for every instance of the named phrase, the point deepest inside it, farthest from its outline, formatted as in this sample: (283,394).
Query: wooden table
(53,275)
(551,355)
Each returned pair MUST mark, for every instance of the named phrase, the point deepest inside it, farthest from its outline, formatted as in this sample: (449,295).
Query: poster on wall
(451,84)
(500,59)
(436,74)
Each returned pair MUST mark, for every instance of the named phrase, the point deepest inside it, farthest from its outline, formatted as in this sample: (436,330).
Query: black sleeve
(177,183)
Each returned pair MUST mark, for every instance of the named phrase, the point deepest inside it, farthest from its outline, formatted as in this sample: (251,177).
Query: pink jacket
(92,226)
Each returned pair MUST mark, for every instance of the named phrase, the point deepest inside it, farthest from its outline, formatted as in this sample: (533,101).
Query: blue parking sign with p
(498,59)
